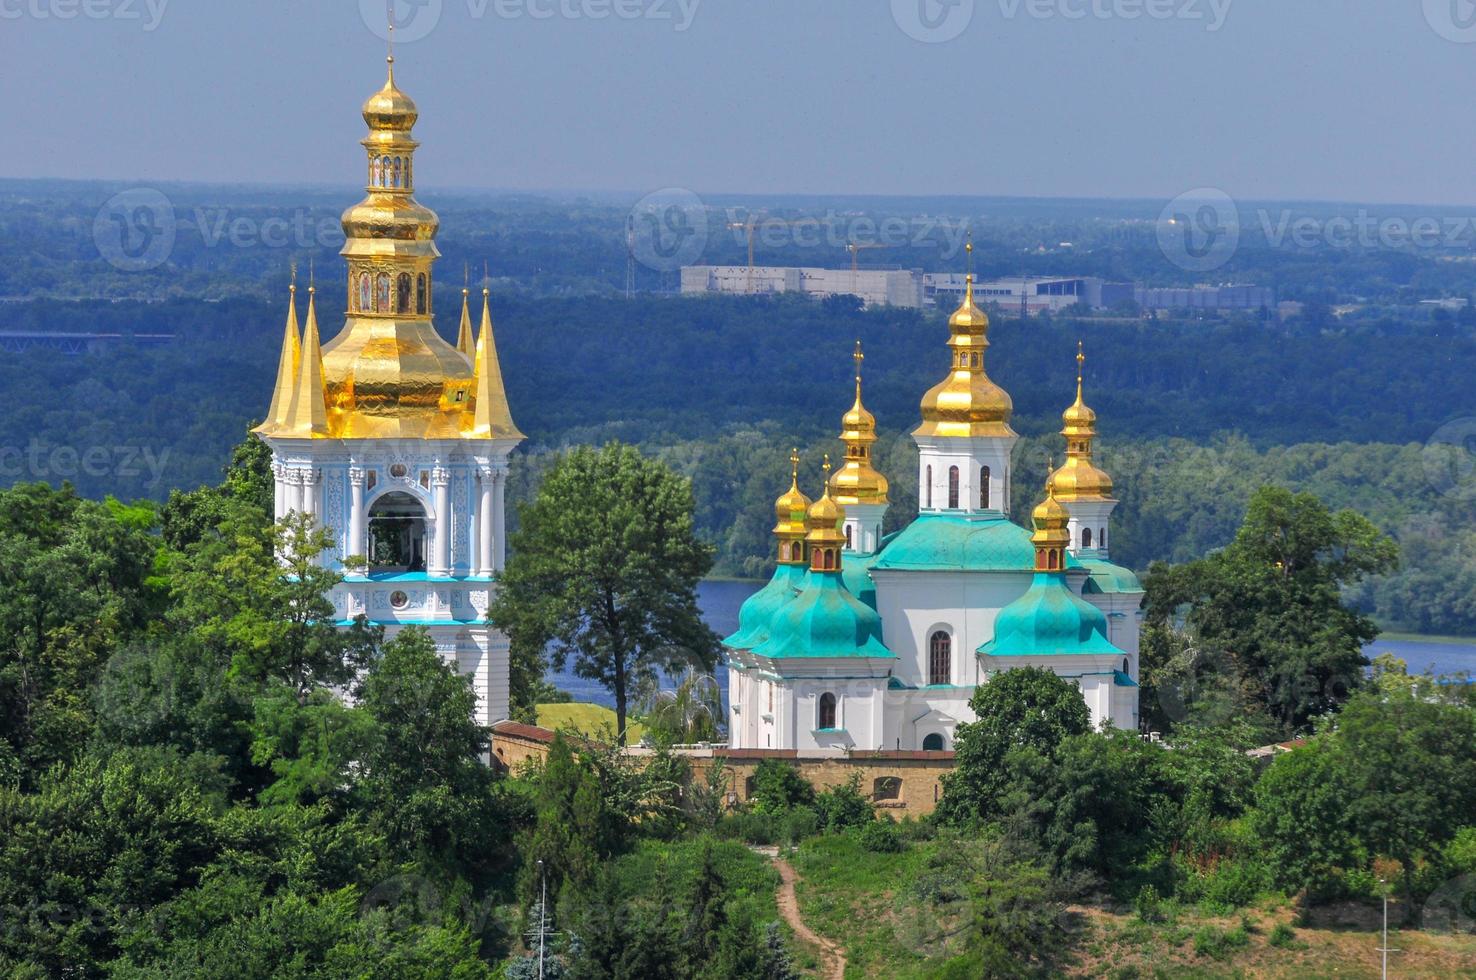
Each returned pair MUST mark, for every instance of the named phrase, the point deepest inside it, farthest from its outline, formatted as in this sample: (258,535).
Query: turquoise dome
(758,609)
(1049,620)
(824,620)
(959,542)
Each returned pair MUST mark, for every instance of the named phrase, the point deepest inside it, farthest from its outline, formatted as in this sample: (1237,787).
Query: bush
(778,786)
(843,806)
(1149,905)
(881,837)
(751,828)
(1282,936)
(799,823)
(1218,944)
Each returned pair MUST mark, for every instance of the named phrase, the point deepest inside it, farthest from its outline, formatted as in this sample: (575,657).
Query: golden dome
(825,517)
(389,110)
(857,481)
(793,508)
(967,403)
(1050,520)
(1079,478)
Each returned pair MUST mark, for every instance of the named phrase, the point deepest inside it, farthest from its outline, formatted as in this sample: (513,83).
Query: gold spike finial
(1080,363)
(859,357)
(794,460)
(826,467)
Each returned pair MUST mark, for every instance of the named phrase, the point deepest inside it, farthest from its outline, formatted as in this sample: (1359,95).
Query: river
(720,602)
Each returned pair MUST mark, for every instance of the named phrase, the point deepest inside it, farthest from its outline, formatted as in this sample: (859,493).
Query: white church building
(861,641)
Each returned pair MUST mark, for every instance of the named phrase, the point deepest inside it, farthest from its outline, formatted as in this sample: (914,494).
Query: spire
(464,335)
(1079,478)
(308,414)
(488,414)
(792,510)
(967,403)
(287,363)
(857,481)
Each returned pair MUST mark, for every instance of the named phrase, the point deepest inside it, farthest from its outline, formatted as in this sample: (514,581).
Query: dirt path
(832,958)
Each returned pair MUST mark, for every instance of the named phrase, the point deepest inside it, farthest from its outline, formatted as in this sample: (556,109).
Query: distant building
(1032,294)
(874,287)
(1231,296)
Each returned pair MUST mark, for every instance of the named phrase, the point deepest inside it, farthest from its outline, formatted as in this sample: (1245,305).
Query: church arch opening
(397,534)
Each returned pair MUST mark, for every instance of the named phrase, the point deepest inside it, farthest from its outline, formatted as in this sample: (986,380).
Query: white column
(295,491)
(279,489)
(441,546)
(356,545)
(485,521)
(499,540)
(310,480)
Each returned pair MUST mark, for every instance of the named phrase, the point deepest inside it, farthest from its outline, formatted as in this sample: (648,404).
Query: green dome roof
(1108,579)
(1049,620)
(758,609)
(824,620)
(857,577)
(960,542)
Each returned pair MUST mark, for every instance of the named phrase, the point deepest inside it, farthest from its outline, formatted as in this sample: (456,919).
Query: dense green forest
(1194,414)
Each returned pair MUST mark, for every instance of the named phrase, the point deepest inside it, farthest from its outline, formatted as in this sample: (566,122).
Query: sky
(1352,100)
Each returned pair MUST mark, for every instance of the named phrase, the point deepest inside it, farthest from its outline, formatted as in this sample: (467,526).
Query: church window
(402,293)
(933,743)
(1126,667)
(1052,560)
(940,658)
(953,488)
(1102,538)
(929,481)
(826,720)
(397,172)
(984,488)
(849,543)
(420,293)
(1086,537)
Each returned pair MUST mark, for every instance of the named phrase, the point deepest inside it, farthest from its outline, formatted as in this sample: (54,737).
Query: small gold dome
(1050,520)
(389,109)
(857,481)
(1079,478)
(967,403)
(793,508)
(825,516)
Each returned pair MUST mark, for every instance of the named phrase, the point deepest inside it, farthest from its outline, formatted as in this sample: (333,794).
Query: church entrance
(397,528)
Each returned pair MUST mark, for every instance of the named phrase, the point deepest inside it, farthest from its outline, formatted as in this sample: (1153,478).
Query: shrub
(843,806)
(799,823)
(1282,936)
(881,837)
(1217,944)
(751,828)
(778,786)
(1149,905)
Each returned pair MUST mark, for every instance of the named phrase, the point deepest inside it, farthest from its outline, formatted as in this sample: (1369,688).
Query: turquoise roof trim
(1105,578)
(824,621)
(984,542)
(1123,680)
(758,609)
(1049,620)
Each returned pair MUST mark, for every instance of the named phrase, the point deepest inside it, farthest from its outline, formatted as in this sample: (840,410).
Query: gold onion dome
(793,508)
(1079,478)
(1050,520)
(390,110)
(825,517)
(857,481)
(967,403)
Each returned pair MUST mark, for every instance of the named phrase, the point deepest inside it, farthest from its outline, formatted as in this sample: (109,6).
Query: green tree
(778,786)
(1301,817)
(562,847)
(1028,707)
(1272,603)
(604,567)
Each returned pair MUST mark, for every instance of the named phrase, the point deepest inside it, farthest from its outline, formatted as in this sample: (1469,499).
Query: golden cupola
(857,481)
(825,537)
(388,373)
(967,403)
(792,511)
(1079,478)
(1051,536)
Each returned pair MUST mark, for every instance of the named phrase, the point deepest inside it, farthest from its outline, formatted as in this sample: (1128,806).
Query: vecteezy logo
(413,19)
(1454,20)
(1450,459)
(134,231)
(933,21)
(667,229)
(1199,230)
(1452,907)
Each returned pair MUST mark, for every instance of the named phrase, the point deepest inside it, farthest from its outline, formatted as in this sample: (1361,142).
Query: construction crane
(749,227)
(856,248)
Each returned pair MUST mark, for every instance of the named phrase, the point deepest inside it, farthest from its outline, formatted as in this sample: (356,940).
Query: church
(392,439)
(862,641)
(396,443)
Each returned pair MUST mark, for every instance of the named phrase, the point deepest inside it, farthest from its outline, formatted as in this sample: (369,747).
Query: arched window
(397,172)
(1126,667)
(940,658)
(1102,538)
(1086,537)
(953,488)
(933,743)
(984,488)
(929,478)
(382,293)
(826,720)
(402,293)
(1051,560)
(420,293)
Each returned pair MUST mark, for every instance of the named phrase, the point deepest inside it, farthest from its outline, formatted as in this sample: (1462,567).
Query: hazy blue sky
(1354,100)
